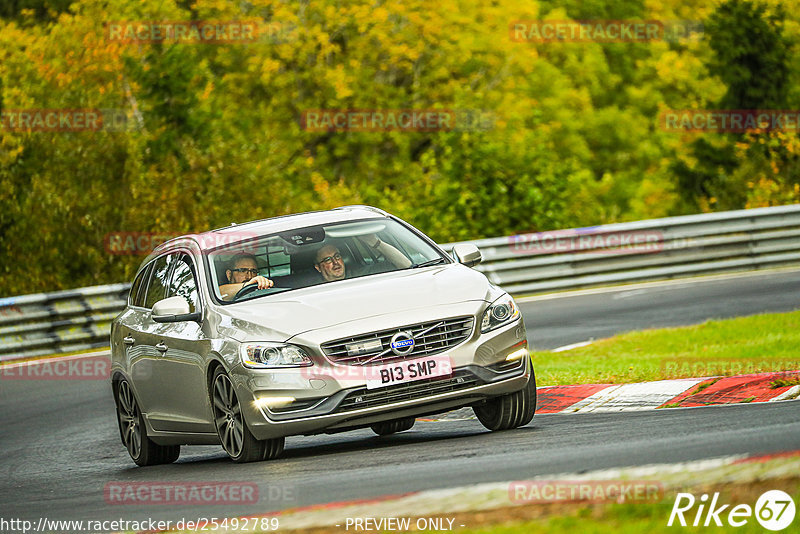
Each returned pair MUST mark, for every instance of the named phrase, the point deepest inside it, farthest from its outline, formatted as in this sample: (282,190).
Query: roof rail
(363,207)
(235,224)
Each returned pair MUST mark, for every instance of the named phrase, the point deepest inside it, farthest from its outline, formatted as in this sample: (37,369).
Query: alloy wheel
(228,416)
(128,412)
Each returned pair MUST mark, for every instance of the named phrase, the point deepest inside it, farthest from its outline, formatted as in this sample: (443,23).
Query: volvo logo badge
(402,343)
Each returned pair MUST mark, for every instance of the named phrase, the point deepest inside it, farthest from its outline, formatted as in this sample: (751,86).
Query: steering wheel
(246,290)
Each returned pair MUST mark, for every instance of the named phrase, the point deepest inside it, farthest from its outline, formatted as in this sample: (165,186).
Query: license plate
(409,371)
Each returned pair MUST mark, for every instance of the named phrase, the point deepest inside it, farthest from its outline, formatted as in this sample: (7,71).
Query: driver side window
(157,289)
(183,282)
(139,287)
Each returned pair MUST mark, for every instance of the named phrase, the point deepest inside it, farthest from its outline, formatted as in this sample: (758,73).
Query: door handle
(161,347)
(128,340)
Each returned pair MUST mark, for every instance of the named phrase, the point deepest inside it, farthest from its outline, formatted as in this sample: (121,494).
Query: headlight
(502,311)
(272,355)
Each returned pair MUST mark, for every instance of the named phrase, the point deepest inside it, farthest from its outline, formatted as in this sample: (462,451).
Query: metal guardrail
(655,249)
(667,248)
(64,321)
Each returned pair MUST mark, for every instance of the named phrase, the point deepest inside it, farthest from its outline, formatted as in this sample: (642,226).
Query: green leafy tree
(215,135)
(751,57)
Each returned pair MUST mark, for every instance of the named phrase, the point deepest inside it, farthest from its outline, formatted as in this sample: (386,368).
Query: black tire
(235,437)
(509,411)
(385,428)
(142,450)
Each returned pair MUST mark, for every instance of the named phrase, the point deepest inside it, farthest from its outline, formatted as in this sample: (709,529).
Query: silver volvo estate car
(311,323)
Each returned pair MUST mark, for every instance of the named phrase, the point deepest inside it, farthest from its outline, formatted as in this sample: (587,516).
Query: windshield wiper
(429,263)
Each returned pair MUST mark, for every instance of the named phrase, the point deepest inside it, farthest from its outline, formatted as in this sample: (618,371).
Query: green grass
(628,518)
(705,385)
(783,382)
(619,519)
(760,343)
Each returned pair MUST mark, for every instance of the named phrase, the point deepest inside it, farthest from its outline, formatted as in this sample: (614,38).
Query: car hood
(282,316)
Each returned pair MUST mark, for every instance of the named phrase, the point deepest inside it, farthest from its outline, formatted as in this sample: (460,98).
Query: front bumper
(327,404)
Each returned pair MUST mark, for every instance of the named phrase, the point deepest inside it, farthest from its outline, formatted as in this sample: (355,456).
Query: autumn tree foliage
(750,53)
(213,132)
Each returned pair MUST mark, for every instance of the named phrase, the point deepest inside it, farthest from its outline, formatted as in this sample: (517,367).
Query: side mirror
(467,254)
(173,310)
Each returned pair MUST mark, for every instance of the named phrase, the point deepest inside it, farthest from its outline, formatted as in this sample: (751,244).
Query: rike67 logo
(774,510)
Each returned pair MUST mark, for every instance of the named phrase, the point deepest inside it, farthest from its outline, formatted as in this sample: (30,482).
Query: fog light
(273,402)
(516,355)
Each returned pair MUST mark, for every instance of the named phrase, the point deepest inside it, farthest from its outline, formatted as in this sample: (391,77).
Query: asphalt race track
(59,444)
(553,323)
(61,449)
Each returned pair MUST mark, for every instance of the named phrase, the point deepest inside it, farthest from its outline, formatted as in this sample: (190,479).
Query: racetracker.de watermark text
(389,120)
(66,120)
(181,493)
(590,241)
(585,490)
(198,31)
(603,31)
(67,368)
(143,243)
(730,120)
(678,368)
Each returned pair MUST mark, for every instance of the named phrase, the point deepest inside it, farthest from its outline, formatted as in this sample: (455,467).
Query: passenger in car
(243,272)
(331,266)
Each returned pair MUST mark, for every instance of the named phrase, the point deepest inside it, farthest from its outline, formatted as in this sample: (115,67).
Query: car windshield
(317,255)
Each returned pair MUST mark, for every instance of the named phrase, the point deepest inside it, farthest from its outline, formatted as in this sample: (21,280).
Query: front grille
(369,398)
(429,338)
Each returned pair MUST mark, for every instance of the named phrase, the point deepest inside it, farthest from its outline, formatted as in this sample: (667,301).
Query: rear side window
(139,287)
(157,289)
(278,261)
(183,282)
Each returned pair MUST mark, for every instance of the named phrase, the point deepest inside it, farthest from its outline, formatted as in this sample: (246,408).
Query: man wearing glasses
(243,271)
(330,264)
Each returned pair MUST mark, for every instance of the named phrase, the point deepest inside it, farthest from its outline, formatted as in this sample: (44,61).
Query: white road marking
(28,363)
(630,293)
(792,392)
(633,397)
(573,346)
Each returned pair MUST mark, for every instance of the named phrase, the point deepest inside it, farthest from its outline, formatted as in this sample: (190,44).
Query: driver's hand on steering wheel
(262,281)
